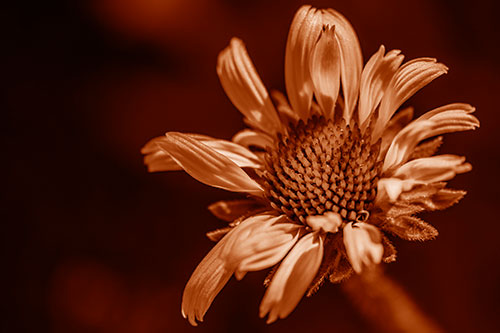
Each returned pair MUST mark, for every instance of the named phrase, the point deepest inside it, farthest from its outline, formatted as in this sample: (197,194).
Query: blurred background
(93,243)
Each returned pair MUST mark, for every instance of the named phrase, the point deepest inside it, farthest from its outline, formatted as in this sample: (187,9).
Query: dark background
(93,243)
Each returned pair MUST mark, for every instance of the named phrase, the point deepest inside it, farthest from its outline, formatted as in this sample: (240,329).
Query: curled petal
(285,111)
(250,138)
(325,70)
(449,118)
(207,165)
(207,280)
(351,58)
(363,244)
(375,78)
(409,78)
(292,278)
(304,31)
(389,189)
(328,222)
(245,89)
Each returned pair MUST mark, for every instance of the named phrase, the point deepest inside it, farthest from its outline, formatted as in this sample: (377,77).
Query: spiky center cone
(322,166)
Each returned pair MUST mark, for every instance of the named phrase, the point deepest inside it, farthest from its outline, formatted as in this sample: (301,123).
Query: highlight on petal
(293,277)
(325,70)
(245,89)
(408,79)
(449,118)
(304,31)
(248,138)
(389,189)
(207,165)
(157,159)
(350,57)
(363,244)
(376,76)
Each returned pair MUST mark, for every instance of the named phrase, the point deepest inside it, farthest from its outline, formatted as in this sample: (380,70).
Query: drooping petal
(375,78)
(216,268)
(292,278)
(408,79)
(245,89)
(157,159)
(248,138)
(207,165)
(205,283)
(325,70)
(433,169)
(350,57)
(304,31)
(363,244)
(450,118)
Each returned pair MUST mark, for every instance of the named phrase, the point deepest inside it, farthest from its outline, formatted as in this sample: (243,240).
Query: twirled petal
(375,78)
(409,78)
(449,118)
(292,278)
(325,70)
(304,31)
(350,57)
(207,165)
(363,244)
(245,89)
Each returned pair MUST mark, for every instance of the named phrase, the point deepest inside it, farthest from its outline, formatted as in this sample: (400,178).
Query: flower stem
(386,305)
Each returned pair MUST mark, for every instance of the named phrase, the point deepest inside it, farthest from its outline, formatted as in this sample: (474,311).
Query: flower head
(326,171)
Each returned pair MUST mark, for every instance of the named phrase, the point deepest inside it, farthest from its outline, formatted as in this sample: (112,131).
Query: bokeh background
(93,243)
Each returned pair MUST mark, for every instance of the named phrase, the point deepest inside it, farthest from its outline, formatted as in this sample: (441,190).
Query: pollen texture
(321,166)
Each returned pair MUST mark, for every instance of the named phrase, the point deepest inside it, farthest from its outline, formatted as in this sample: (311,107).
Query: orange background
(93,243)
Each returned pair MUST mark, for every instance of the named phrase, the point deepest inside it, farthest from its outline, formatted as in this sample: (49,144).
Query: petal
(363,244)
(207,280)
(249,138)
(433,169)
(216,268)
(328,222)
(230,210)
(292,278)
(285,111)
(396,124)
(409,78)
(304,31)
(390,189)
(350,57)
(449,118)
(325,70)
(245,89)
(375,78)
(158,159)
(268,247)
(206,165)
